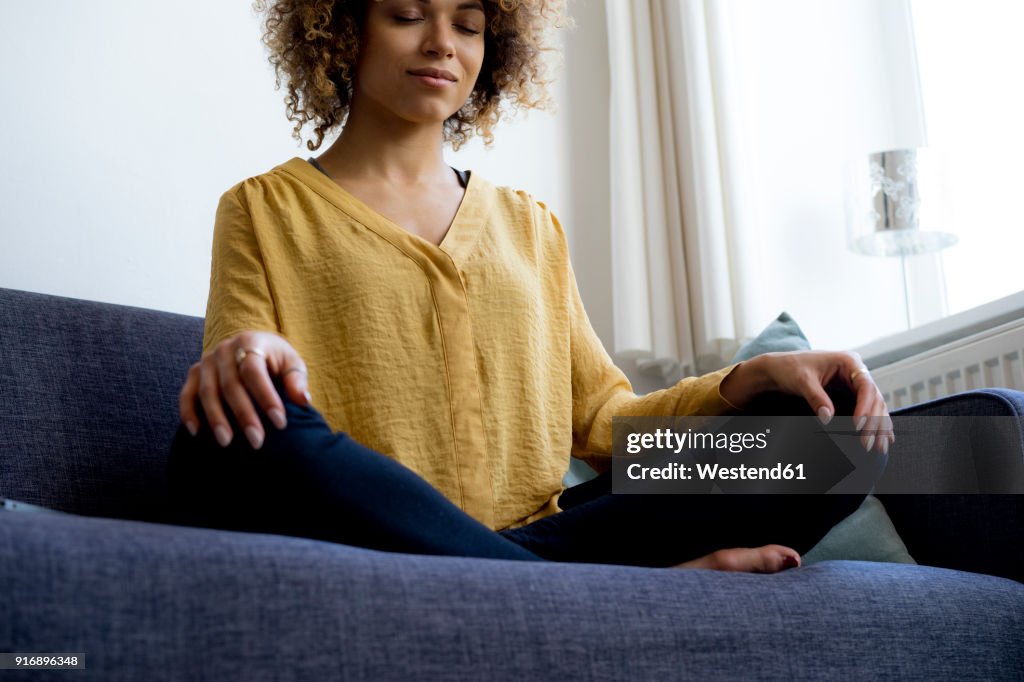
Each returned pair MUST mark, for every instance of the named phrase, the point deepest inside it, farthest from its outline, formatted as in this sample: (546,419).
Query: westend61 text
(664,439)
(714,472)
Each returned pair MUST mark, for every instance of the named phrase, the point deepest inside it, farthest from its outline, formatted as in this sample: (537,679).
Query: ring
(857,372)
(242,353)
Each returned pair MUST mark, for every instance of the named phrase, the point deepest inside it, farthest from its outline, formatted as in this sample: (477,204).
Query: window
(969,58)
(819,84)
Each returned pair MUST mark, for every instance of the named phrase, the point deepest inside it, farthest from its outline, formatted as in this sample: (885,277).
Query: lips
(434,73)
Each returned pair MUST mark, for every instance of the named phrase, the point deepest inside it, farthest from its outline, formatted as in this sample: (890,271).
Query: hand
(806,373)
(219,375)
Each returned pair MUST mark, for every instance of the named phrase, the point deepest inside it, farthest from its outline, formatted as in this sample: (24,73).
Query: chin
(436,116)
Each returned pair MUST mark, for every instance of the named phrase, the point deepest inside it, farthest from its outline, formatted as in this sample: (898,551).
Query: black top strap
(318,166)
(463,177)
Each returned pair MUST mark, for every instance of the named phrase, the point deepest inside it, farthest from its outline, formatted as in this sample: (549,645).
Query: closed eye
(468,30)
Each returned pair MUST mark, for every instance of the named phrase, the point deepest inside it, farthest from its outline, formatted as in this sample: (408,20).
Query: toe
(781,557)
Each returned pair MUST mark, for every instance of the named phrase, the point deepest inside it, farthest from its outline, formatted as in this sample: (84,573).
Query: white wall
(123,122)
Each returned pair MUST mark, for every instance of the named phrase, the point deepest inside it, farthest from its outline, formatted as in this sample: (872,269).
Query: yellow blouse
(473,363)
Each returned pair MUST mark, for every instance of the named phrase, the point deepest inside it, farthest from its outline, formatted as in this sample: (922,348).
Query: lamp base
(902,242)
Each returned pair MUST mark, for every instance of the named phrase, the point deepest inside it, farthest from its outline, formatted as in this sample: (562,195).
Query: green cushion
(867,534)
(782,335)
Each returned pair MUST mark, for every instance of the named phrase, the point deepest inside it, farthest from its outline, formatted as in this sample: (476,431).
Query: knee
(306,431)
(304,423)
(774,403)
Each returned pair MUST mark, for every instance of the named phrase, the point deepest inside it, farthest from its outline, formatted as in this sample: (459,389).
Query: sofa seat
(139,597)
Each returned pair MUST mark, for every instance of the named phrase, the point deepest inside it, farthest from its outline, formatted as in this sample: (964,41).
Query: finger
(886,427)
(874,434)
(867,393)
(209,396)
(871,416)
(296,381)
(871,437)
(187,400)
(862,420)
(237,397)
(255,377)
(818,399)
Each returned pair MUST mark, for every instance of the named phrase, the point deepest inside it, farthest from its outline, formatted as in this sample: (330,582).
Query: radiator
(987,359)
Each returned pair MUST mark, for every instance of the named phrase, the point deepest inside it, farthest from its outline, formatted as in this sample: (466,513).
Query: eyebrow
(473,4)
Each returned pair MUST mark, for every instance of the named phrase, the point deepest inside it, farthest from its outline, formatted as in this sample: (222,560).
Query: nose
(438,41)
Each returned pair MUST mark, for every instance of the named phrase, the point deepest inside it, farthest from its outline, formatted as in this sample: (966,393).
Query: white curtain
(683,276)
(690,274)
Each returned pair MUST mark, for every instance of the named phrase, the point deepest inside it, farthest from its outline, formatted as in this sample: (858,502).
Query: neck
(381,147)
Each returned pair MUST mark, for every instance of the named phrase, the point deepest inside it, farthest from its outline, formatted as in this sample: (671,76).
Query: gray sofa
(88,404)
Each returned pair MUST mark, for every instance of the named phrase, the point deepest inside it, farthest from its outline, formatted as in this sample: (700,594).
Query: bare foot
(767,559)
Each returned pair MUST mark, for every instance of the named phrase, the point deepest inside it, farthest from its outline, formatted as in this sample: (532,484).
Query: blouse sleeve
(600,391)
(239,297)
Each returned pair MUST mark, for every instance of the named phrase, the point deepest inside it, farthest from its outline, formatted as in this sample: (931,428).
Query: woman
(436,320)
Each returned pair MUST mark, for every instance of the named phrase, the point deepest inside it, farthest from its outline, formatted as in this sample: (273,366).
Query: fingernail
(309,398)
(862,422)
(277,416)
(790,562)
(255,437)
(824,414)
(222,435)
(192,428)
(885,446)
(871,441)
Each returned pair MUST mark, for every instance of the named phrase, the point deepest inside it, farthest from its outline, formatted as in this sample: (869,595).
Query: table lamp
(884,212)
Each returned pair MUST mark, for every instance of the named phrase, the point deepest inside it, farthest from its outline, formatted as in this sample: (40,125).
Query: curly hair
(314,45)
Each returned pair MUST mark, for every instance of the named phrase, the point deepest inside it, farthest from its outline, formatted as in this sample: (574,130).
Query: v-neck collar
(461,234)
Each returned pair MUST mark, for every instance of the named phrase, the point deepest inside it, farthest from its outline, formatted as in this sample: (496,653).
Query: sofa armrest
(141,600)
(982,441)
(966,442)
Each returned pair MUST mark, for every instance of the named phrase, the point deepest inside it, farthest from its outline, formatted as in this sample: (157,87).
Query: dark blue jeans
(310,481)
